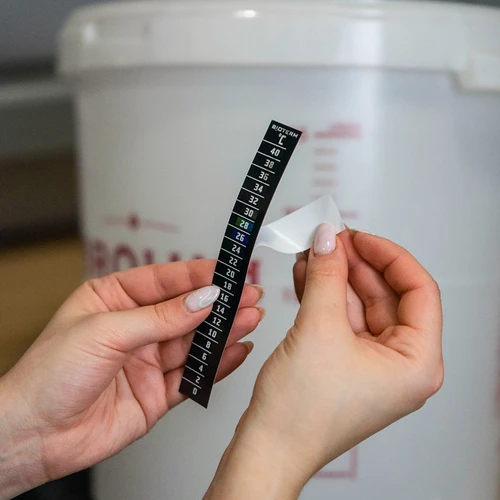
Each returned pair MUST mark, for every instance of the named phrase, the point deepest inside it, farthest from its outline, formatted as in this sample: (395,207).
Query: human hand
(107,367)
(345,370)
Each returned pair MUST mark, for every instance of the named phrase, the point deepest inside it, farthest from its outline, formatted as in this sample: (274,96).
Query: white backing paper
(295,232)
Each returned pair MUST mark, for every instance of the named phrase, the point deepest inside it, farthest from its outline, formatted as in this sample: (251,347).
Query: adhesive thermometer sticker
(239,239)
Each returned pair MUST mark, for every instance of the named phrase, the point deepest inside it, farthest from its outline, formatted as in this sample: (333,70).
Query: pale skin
(105,370)
(364,351)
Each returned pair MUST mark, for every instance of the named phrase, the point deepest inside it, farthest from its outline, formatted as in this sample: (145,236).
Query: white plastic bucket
(400,106)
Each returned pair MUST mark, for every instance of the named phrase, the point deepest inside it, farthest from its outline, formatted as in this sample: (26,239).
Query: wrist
(21,464)
(254,466)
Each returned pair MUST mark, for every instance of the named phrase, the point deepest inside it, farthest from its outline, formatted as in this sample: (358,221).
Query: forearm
(253,467)
(21,466)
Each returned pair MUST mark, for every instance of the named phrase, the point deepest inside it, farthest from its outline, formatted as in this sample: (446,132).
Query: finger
(145,285)
(173,353)
(420,305)
(325,291)
(380,300)
(299,275)
(232,358)
(355,311)
(124,331)
(148,285)
(355,307)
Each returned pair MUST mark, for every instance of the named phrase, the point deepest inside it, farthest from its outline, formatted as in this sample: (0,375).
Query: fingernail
(262,312)
(362,231)
(262,292)
(249,345)
(202,298)
(325,239)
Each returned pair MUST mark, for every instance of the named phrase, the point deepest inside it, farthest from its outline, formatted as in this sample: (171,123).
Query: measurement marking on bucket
(238,241)
(325,167)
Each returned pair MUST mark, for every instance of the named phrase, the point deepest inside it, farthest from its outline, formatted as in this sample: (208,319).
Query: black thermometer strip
(239,239)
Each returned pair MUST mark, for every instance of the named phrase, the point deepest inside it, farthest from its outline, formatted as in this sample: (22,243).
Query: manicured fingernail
(202,298)
(249,346)
(362,231)
(325,239)
(262,292)
(262,312)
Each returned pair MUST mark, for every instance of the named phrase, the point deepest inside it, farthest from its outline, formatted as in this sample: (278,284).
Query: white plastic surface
(408,157)
(426,36)
(295,232)
(406,154)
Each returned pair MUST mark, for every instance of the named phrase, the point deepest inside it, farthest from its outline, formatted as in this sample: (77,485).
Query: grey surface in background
(36,129)
(29,28)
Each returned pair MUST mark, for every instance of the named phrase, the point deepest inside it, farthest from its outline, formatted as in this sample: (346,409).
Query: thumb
(325,291)
(124,331)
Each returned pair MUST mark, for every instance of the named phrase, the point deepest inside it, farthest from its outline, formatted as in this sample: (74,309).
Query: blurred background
(38,176)
(41,257)
(41,254)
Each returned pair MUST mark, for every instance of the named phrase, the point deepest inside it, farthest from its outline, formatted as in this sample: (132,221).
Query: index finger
(420,305)
(379,299)
(159,282)
(148,285)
